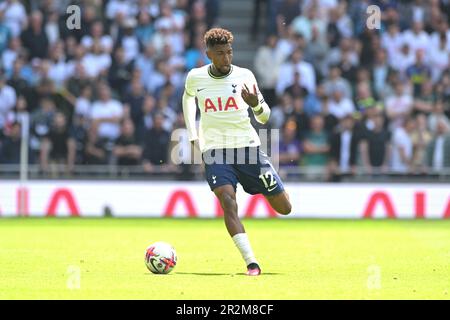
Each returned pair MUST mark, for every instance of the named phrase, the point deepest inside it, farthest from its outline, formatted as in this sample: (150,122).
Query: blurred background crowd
(349,100)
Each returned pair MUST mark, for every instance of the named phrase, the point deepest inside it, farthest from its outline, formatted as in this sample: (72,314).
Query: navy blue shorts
(249,166)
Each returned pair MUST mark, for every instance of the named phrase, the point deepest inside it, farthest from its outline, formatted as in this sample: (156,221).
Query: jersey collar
(221,77)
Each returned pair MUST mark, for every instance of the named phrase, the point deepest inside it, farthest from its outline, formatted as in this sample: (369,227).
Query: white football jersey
(224,119)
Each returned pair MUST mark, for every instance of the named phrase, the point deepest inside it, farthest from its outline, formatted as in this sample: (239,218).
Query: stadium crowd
(344,96)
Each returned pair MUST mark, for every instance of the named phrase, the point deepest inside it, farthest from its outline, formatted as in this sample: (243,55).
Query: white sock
(243,244)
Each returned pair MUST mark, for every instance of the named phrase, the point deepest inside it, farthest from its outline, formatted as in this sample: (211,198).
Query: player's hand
(250,98)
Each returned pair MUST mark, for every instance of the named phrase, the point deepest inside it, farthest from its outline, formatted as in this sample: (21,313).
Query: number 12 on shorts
(269,181)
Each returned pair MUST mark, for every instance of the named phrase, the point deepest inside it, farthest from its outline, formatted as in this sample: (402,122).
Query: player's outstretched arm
(259,107)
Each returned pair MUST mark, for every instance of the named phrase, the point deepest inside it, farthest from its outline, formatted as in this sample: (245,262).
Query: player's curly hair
(217,36)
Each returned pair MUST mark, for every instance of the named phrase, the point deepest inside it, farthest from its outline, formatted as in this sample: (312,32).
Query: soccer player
(228,142)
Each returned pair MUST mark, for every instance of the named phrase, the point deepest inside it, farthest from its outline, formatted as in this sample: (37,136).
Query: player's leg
(227,198)
(280,202)
(262,178)
(222,179)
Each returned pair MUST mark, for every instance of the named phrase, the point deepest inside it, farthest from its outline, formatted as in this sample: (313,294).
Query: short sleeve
(189,85)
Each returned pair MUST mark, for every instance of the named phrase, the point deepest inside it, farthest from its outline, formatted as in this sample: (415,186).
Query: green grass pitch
(300,259)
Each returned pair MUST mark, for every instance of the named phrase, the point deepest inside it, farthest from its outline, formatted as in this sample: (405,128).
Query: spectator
(315,145)
(436,116)
(402,147)
(345,52)
(287,70)
(336,82)
(20,109)
(402,60)
(268,57)
(330,120)
(375,146)
(439,57)
(417,38)
(97,150)
(348,68)
(290,148)
(5,33)
(418,73)
(40,121)
(398,106)
(380,72)
(438,150)
(52,27)
(175,62)
(78,80)
(442,29)
(7,100)
(324,7)
(119,74)
(339,105)
(196,56)
(119,8)
(80,136)
(11,144)
(316,51)
(343,149)
(10,54)
(364,98)
(128,40)
(420,137)
(156,145)
(59,70)
(196,23)
(301,117)
(303,24)
(165,35)
(97,35)
(181,157)
(34,38)
(83,104)
(157,78)
(127,150)
(58,148)
(281,112)
(146,122)
(392,41)
(96,62)
(133,102)
(443,90)
(106,114)
(162,108)
(17,80)
(145,62)
(296,89)
(344,22)
(423,104)
(145,29)
(14,16)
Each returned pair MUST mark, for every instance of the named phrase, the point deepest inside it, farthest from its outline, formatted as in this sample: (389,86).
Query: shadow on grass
(223,274)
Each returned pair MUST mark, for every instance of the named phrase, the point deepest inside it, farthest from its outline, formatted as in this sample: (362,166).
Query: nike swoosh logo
(198,90)
(271,189)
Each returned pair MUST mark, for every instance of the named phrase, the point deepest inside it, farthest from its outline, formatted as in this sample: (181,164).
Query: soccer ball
(160,258)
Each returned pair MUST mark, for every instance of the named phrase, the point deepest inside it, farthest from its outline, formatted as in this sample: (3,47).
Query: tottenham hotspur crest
(214,179)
